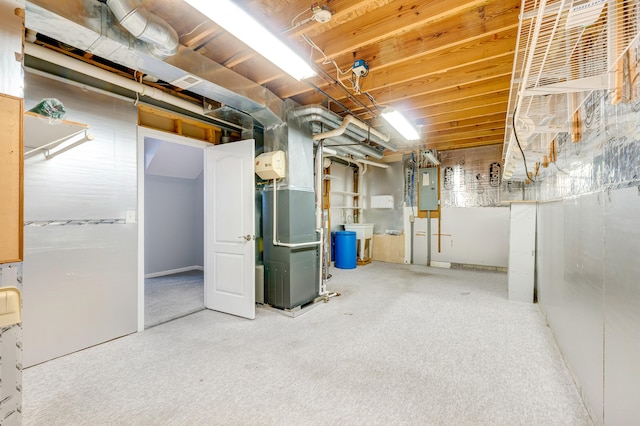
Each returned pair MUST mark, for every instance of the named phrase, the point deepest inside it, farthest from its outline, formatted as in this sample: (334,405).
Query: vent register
(566,50)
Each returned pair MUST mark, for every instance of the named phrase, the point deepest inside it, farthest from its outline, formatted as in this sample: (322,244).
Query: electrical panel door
(428,195)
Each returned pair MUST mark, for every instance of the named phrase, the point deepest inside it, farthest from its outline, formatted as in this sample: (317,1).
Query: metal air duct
(90,26)
(143,25)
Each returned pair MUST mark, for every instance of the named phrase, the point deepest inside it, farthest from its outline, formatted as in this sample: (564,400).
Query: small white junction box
(271,165)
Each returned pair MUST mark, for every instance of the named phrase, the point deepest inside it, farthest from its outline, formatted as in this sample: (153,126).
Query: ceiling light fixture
(401,124)
(431,157)
(243,26)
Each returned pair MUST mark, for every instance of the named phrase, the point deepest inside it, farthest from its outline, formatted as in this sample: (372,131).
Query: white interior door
(230,229)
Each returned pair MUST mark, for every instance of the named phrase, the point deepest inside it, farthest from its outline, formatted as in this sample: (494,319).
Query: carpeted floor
(172,296)
(401,345)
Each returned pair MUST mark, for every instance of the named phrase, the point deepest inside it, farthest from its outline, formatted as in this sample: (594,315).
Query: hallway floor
(401,345)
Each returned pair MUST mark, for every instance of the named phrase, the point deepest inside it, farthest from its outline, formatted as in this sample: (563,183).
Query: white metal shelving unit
(43,137)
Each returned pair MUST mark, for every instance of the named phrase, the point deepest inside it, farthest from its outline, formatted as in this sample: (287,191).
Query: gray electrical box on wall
(428,195)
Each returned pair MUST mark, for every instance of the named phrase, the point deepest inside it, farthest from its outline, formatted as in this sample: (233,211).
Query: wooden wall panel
(11,178)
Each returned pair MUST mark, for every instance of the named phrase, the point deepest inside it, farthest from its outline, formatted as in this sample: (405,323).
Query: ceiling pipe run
(349,145)
(145,26)
(348,119)
(374,163)
(357,129)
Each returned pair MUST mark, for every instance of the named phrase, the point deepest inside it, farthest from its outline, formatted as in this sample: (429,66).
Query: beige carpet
(401,345)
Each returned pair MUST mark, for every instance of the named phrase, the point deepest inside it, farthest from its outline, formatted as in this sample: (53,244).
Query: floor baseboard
(174,271)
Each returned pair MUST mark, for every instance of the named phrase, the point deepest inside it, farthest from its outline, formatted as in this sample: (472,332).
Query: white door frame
(143,133)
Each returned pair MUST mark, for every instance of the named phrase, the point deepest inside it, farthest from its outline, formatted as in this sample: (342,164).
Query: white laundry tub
(364,237)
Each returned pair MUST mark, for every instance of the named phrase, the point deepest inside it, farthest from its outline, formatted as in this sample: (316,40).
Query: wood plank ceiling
(446,64)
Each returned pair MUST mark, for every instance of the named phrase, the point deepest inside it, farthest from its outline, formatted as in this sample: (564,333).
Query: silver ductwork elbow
(160,37)
(320,114)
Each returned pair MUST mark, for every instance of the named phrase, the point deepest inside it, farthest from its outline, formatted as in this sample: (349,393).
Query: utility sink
(364,232)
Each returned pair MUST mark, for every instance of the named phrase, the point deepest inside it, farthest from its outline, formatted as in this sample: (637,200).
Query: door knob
(246,237)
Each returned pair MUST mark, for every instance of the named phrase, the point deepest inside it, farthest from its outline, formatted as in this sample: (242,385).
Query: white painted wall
(174,223)
(341,181)
(80,281)
(469,235)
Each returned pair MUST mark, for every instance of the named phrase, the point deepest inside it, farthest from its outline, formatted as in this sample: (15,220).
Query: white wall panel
(94,180)
(522,240)
(622,307)
(79,289)
(379,181)
(472,236)
(570,288)
(80,281)
(550,257)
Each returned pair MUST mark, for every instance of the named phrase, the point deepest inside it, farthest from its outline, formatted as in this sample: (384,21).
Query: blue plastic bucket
(333,246)
(345,249)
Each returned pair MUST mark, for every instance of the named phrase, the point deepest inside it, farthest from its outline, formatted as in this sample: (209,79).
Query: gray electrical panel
(428,184)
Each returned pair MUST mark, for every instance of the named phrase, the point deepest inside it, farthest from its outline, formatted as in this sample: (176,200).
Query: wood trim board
(11,178)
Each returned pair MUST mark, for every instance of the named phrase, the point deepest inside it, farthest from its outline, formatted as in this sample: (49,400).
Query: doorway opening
(227,212)
(172,224)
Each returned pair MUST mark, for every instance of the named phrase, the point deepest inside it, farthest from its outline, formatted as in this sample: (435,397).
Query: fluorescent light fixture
(431,157)
(243,26)
(401,124)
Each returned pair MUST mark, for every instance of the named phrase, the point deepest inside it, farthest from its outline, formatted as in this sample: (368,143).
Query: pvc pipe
(319,110)
(328,152)
(335,132)
(428,237)
(373,163)
(348,119)
(362,130)
(108,77)
(319,221)
(348,138)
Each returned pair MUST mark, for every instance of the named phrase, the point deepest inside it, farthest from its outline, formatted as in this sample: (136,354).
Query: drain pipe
(362,161)
(348,144)
(108,77)
(319,222)
(348,119)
